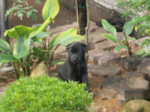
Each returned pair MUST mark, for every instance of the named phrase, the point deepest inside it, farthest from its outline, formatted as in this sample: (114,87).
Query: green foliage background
(139,13)
(19,8)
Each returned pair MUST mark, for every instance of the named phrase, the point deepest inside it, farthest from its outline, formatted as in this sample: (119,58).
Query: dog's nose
(74,58)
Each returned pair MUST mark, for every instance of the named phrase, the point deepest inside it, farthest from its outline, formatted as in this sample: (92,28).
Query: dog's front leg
(71,75)
(85,80)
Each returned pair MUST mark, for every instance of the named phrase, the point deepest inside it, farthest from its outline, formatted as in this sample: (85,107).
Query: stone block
(131,94)
(108,93)
(138,105)
(105,58)
(105,45)
(134,75)
(137,84)
(144,67)
(131,63)
(94,53)
(112,82)
(104,70)
(136,89)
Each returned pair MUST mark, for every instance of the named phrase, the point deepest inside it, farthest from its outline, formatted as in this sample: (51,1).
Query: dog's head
(76,52)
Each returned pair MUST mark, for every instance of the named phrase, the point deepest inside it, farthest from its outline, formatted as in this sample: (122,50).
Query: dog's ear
(68,46)
(85,47)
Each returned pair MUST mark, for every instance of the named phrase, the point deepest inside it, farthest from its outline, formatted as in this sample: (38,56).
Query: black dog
(75,67)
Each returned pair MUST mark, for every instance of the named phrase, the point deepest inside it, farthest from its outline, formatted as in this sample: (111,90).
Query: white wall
(112,4)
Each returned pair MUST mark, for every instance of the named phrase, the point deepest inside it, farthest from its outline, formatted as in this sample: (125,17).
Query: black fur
(75,67)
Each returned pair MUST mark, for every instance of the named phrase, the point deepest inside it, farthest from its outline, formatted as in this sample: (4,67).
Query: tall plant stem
(24,67)
(128,46)
(17,75)
(81,13)
(88,23)
(20,68)
(83,19)
(50,55)
(77,12)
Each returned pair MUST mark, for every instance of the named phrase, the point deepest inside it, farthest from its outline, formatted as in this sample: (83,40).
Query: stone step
(104,70)
(105,45)
(125,89)
(105,58)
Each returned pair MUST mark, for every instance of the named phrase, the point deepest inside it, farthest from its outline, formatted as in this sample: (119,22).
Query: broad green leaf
(18,31)
(4,58)
(145,42)
(21,48)
(130,39)
(110,37)
(140,52)
(69,40)
(34,28)
(41,35)
(23,30)
(50,9)
(128,28)
(64,35)
(39,52)
(146,54)
(39,42)
(107,26)
(41,28)
(118,48)
(11,33)
(4,46)
(57,62)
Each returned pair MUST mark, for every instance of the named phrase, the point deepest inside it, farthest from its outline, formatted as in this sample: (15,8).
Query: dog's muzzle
(74,59)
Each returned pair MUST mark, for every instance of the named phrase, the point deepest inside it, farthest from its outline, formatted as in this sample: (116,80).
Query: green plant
(139,13)
(45,94)
(25,47)
(144,48)
(20,8)
(112,35)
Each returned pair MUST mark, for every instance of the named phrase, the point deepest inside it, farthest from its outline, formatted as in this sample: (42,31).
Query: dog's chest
(78,70)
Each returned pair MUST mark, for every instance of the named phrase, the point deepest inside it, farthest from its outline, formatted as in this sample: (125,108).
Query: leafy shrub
(139,13)
(44,94)
(144,48)
(112,35)
(20,8)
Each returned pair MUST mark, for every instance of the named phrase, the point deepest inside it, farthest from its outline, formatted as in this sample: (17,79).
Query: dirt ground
(102,104)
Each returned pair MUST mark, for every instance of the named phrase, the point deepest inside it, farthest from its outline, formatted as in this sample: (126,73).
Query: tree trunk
(3,22)
(81,15)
